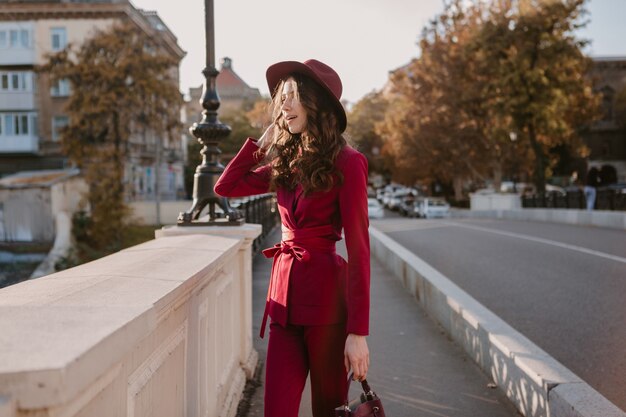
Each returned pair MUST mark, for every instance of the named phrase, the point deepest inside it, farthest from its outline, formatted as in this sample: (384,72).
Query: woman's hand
(356,356)
(266,139)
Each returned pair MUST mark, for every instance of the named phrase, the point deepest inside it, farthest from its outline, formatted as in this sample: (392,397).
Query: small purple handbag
(365,405)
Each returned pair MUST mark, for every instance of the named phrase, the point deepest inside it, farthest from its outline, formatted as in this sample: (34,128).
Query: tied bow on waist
(295,245)
(296,251)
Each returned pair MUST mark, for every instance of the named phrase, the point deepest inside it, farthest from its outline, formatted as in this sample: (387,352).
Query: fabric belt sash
(295,246)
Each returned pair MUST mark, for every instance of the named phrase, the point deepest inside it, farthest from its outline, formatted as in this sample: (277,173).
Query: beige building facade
(32,109)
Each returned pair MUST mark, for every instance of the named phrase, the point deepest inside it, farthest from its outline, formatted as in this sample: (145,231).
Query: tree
(536,75)
(498,88)
(362,121)
(435,124)
(122,85)
(242,127)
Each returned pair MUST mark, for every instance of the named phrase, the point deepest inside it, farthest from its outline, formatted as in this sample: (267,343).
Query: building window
(24,38)
(21,124)
(58,123)
(18,124)
(34,124)
(607,103)
(14,36)
(16,81)
(8,125)
(25,81)
(59,38)
(61,88)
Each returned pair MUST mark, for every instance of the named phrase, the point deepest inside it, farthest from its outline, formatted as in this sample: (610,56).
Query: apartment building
(32,108)
(607,138)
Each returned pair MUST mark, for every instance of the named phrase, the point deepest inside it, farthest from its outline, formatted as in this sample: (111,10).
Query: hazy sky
(361,39)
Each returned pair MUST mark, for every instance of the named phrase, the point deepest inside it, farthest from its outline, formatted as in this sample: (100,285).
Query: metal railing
(259,209)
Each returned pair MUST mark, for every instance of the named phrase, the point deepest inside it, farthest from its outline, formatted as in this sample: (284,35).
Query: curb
(537,384)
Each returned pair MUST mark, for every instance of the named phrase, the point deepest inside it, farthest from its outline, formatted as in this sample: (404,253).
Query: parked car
(397,198)
(380,194)
(384,194)
(431,207)
(407,205)
(374,209)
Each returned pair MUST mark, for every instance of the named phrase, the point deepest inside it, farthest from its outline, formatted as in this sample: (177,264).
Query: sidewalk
(415,368)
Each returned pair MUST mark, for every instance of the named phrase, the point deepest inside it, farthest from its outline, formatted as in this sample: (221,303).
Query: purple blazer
(310,283)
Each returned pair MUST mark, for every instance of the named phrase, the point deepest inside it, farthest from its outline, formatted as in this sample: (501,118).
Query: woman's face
(292,110)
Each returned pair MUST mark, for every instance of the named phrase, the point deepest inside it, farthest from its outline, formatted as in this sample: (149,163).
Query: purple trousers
(292,353)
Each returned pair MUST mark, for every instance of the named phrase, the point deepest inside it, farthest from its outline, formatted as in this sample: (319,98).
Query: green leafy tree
(122,85)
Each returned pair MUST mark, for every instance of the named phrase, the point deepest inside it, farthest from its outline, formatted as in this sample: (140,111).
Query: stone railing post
(248,357)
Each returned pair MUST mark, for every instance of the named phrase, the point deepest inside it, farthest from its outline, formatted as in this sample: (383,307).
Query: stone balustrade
(158,329)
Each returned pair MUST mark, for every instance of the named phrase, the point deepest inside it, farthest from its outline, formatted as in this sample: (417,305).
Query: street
(561,286)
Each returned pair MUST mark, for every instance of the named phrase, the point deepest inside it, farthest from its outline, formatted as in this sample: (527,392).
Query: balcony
(17,100)
(17,43)
(19,144)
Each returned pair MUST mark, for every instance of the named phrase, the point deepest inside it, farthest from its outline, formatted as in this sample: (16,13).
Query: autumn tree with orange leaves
(496,89)
(122,85)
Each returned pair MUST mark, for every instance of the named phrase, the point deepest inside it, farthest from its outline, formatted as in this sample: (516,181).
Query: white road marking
(403,225)
(544,241)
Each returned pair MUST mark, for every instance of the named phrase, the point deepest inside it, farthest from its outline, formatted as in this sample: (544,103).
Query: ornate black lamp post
(210,131)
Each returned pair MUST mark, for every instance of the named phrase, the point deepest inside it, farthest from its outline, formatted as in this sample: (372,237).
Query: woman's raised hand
(266,139)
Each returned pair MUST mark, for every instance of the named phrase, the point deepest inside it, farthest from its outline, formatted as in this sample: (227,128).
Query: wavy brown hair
(306,158)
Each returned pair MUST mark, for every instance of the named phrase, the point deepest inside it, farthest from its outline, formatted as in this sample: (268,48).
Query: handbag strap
(364,385)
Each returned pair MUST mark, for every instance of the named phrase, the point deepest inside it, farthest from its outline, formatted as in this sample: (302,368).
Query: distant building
(234,94)
(607,139)
(31,109)
(233,91)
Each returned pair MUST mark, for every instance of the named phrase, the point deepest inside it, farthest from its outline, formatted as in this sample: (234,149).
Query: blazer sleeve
(354,216)
(239,179)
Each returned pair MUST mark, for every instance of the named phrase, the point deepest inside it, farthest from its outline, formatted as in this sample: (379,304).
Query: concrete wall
(159,329)
(145,212)
(495,201)
(536,383)
(600,218)
(26,215)
(29,214)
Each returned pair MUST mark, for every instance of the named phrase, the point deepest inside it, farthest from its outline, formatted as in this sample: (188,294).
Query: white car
(430,207)
(374,209)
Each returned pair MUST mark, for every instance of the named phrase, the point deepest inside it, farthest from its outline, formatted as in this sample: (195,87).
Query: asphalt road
(562,286)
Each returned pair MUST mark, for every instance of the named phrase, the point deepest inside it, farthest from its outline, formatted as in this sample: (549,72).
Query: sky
(361,39)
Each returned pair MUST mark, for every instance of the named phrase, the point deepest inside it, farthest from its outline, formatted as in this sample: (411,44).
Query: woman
(318,303)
